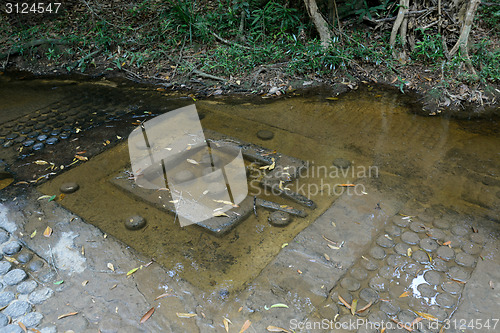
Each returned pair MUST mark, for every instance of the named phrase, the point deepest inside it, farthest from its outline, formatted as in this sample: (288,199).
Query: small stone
(14,277)
(64,135)
(409,237)
(464,259)
(183,176)
(17,309)
(12,136)
(478,238)
(387,272)
(279,219)
(385,241)
(49,329)
(265,135)
(459,274)
(451,287)
(437,234)
(341,163)
(406,317)
(40,295)
(5,266)
(359,273)
(6,297)
(41,137)
(395,260)
(446,300)
(442,224)
(429,244)
(471,248)
(12,328)
(390,308)
(458,230)
(3,320)
(377,317)
(377,252)
(35,266)
(432,277)
(32,319)
(369,264)
(439,265)
(350,284)
(417,226)
(426,290)
(445,252)
(412,268)
(368,295)
(378,283)
(38,146)
(135,222)
(26,287)
(342,293)
(393,230)
(32,135)
(19,139)
(401,221)
(439,313)
(11,248)
(402,249)
(52,141)
(68,188)
(420,257)
(28,143)
(24,257)
(4,236)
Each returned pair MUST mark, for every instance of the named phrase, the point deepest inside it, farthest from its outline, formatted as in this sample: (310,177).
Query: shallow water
(432,160)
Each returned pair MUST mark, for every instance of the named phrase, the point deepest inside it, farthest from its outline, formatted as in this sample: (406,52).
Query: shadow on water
(432,160)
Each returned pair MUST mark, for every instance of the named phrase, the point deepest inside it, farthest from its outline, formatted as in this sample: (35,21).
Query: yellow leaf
(277,329)
(186,315)
(354,305)
(426,316)
(33,234)
(240,309)
(47,232)
(332,98)
(163,295)
(226,324)
(219,213)
(245,326)
(405,294)
(132,271)
(409,252)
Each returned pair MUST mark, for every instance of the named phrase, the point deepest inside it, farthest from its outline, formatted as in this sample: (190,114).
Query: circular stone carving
(459,230)
(441,224)
(377,252)
(410,237)
(378,283)
(135,222)
(389,308)
(350,284)
(437,234)
(402,249)
(359,273)
(265,135)
(446,300)
(368,295)
(420,257)
(426,290)
(429,244)
(385,241)
(279,219)
(401,221)
(446,253)
(432,277)
(471,248)
(464,259)
(459,274)
(451,287)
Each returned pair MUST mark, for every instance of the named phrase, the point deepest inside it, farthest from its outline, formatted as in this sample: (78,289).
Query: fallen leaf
(67,315)
(327,257)
(284,245)
(219,213)
(226,323)
(277,305)
(59,282)
(492,286)
(12,260)
(22,326)
(132,271)
(41,162)
(364,308)
(33,234)
(332,98)
(245,326)
(383,330)
(47,232)
(43,197)
(346,185)
(447,243)
(61,196)
(192,161)
(81,158)
(163,295)
(84,283)
(347,305)
(52,198)
(240,309)
(225,202)
(113,286)
(111,267)
(426,316)
(299,271)
(147,315)
(354,305)
(405,294)
(186,315)
(333,247)
(277,329)
(415,321)
(34,330)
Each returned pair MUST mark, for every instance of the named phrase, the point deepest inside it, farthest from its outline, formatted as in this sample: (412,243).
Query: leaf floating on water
(405,294)
(277,305)
(333,247)
(240,309)
(67,315)
(426,316)
(41,162)
(192,161)
(132,271)
(81,158)
(186,315)
(245,326)
(22,326)
(409,252)
(52,198)
(47,232)
(147,315)
(59,282)
(163,295)
(226,323)
(12,260)
(327,257)
(44,197)
(219,213)
(332,98)
(277,329)
(492,286)
(111,267)
(354,306)
(364,308)
(284,245)
(84,283)
(33,234)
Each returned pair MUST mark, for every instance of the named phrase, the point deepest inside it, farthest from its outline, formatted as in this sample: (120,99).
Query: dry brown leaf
(447,243)
(347,305)
(147,315)
(22,326)
(48,231)
(186,315)
(271,328)
(405,294)
(67,315)
(245,326)
(163,295)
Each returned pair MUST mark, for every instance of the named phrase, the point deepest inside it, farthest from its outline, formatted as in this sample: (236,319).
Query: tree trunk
(319,22)
(403,9)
